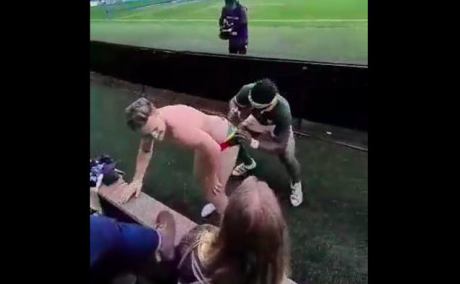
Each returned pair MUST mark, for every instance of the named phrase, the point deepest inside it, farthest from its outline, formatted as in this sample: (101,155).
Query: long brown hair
(252,245)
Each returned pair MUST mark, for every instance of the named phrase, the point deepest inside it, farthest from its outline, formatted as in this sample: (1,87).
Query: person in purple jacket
(233,24)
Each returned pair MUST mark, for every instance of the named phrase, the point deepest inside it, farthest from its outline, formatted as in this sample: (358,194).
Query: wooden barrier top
(144,210)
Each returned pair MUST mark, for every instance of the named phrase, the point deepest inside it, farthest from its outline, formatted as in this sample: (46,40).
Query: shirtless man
(190,128)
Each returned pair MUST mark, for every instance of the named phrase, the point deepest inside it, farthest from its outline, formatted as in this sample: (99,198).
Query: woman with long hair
(251,246)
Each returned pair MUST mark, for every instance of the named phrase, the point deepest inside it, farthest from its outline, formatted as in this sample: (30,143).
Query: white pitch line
(247,5)
(213,20)
(161,7)
(264,4)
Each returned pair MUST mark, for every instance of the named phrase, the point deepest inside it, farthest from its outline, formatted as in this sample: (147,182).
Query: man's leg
(201,171)
(227,161)
(248,163)
(232,49)
(243,49)
(289,160)
(245,157)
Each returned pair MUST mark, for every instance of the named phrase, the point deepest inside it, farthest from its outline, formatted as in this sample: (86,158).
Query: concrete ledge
(144,210)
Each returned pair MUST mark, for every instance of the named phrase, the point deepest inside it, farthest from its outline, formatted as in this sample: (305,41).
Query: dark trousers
(237,49)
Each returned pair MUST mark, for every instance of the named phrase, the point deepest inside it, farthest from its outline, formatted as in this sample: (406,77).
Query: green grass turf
(328,232)
(121,8)
(318,30)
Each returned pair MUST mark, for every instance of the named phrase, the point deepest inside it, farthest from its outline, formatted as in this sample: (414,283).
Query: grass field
(328,231)
(316,30)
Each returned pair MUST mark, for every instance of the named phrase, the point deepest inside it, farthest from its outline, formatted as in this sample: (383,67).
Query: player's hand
(234,115)
(243,136)
(234,112)
(234,33)
(134,188)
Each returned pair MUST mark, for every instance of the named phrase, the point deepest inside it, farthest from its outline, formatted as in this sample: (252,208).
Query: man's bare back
(182,119)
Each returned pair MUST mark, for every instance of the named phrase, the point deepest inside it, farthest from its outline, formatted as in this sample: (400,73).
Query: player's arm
(242,21)
(280,140)
(278,144)
(221,19)
(142,162)
(244,17)
(238,103)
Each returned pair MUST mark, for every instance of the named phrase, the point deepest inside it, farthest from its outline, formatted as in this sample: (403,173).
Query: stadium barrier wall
(327,93)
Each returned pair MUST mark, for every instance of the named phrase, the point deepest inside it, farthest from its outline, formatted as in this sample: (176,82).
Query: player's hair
(264,91)
(253,241)
(138,112)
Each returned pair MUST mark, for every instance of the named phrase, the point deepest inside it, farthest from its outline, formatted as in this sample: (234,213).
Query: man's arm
(238,103)
(221,19)
(142,162)
(143,157)
(277,144)
(242,22)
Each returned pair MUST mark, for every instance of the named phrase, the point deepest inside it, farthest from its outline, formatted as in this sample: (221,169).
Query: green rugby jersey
(280,116)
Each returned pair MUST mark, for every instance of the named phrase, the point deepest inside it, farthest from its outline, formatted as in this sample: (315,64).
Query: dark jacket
(236,20)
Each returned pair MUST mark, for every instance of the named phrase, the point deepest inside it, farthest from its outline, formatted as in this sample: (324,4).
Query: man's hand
(244,137)
(234,116)
(134,188)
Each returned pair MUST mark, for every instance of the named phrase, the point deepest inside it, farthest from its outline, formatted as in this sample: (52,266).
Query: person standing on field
(233,24)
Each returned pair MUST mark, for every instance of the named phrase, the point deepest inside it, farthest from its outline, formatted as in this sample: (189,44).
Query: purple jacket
(237,20)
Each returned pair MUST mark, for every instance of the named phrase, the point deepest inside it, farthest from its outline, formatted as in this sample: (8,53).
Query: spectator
(233,24)
(107,9)
(117,247)
(251,246)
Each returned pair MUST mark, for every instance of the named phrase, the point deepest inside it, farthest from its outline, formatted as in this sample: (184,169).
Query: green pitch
(316,30)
